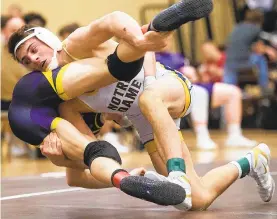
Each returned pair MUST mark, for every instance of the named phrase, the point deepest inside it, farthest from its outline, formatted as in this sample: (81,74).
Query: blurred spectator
(35,19)
(4,20)
(207,94)
(213,95)
(8,26)
(66,30)
(264,5)
(14,10)
(213,63)
(245,50)
(11,72)
(269,9)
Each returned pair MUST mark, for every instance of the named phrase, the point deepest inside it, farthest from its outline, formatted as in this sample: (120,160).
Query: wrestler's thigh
(172,93)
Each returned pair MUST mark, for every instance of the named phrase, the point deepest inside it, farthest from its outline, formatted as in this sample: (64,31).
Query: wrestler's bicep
(85,76)
(149,64)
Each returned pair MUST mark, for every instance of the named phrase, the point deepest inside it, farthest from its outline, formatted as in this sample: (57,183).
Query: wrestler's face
(34,54)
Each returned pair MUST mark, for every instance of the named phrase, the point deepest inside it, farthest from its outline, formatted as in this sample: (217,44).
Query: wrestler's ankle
(176,164)
(117,176)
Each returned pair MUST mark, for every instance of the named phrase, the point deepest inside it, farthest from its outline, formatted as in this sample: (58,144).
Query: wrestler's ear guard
(43,35)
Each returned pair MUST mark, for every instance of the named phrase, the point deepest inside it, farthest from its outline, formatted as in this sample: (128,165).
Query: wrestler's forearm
(68,163)
(73,142)
(128,31)
(125,27)
(116,24)
(149,69)
(149,64)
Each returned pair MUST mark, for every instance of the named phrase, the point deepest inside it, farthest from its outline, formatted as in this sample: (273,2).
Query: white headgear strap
(43,35)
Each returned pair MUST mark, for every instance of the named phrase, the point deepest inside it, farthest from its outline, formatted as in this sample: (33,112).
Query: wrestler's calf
(162,193)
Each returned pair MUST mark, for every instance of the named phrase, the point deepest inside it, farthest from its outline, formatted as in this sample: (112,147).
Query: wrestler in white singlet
(122,98)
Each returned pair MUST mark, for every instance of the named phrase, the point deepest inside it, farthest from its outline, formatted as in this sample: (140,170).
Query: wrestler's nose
(35,59)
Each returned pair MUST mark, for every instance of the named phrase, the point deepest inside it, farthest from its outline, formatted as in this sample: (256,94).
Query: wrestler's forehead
(23,48)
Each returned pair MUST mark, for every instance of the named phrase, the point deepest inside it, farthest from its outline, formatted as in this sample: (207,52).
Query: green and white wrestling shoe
(259,171)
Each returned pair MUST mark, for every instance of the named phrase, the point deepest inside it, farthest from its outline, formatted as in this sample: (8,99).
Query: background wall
(61,12)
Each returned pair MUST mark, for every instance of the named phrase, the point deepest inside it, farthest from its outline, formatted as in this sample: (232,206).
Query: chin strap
(54,61)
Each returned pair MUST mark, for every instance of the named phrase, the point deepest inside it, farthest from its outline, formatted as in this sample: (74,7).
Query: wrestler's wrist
(148,80)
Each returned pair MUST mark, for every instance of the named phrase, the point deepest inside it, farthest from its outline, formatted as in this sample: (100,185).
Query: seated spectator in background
(4,20)
(269,9)
(213,63)
(35,19)
(265,5)
(11,71)
(244,50)
(205,90)
(14,10)
(66,30)
(215,94)
(270,39)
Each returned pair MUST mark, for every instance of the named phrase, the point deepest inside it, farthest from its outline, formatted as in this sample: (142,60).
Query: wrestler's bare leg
(84,179)
(160,102)
(206,189)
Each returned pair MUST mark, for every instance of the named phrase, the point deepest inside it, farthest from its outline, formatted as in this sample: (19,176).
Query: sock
(243,165)
(176,164)
(234,129)
(202,131)
(200,106)
(117,176)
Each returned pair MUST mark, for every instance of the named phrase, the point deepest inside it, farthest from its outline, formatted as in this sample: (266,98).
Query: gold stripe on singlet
(49,77)
(59,85)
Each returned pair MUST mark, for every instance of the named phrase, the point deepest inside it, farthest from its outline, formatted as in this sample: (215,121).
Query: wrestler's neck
(63,58)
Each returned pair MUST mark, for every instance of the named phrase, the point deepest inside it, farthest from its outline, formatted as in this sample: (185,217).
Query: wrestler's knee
(237,92)
(233,92)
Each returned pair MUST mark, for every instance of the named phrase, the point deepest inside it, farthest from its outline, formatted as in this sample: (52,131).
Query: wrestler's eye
(26,61)
(34,49)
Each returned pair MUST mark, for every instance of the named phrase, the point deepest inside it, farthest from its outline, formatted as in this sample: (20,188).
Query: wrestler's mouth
(43,63)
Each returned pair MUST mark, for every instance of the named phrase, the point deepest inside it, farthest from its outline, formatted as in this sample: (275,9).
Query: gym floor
(46,195)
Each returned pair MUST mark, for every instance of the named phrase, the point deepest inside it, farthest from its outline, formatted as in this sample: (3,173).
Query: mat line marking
(40,193)
(54,192)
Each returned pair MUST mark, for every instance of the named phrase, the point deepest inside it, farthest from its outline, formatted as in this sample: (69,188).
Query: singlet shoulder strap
(71,56)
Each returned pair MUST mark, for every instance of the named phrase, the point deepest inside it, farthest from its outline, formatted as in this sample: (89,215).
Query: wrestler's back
(35,89)
(33,108)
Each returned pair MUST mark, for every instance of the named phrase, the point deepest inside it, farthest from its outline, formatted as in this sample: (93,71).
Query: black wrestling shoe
(161,193)
(181,13)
